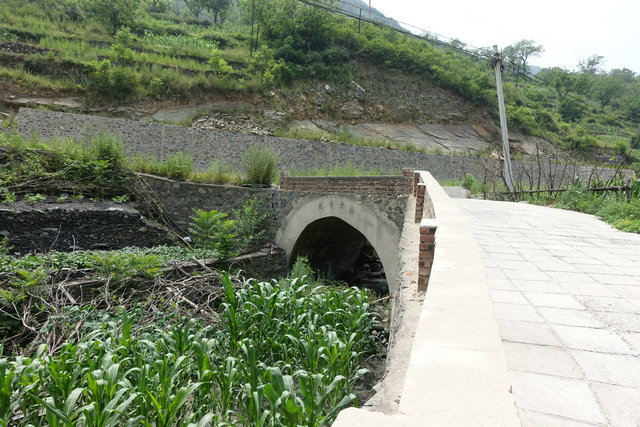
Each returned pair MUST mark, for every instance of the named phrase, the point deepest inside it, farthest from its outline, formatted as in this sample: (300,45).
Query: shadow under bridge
(335,232)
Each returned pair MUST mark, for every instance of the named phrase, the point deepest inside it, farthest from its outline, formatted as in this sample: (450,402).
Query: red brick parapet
(392,185)
(425,255)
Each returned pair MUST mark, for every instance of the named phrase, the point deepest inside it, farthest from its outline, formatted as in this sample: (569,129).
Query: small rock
(359,91)
(352,110)
(330,90)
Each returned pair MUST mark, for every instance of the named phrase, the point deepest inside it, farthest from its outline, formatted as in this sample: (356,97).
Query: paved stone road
(566,294)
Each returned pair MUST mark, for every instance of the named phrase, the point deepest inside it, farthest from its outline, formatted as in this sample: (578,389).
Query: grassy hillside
(148,51)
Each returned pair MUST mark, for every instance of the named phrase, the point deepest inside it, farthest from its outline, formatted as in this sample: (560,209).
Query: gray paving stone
(582,260)
(562,316)
(583,279)
(540,286)
(526,274)
(598,269)
(621,322)
(592,289)
(494,273)
(516,312)
(615,279)
(555,396)
(540,359)
(597,303)
(633,339)
(510,297)
(517,265)
(600,340)
(620,404)
(626,291)
(497,257)
(503,284)
(556,266)
(527,332)
(542,259)
(569,277)
(609,368)
(538,419)
(499,250)
(553,300)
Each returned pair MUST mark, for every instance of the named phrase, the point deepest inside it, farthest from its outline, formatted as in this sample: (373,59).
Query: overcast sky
(569,30)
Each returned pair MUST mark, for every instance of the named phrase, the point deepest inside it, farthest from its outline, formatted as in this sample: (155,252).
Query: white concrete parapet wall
(457,373)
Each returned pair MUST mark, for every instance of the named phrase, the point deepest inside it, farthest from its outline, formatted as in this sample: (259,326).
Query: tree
(519,53)
(591,65)
(195,7)
(156,5)
(113,12)
(216,7)
(561,80)
(606,88)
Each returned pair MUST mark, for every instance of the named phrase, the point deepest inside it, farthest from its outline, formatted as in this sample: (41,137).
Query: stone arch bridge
(328,219)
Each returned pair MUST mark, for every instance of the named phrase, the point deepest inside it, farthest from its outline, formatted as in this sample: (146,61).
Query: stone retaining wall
(66,227)
(159,140)
(180,198)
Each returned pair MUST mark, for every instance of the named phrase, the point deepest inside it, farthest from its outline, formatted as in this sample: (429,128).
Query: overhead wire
(428,36)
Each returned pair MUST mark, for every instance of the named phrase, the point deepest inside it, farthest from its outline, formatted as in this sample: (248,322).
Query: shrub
(302,268)
(108,147)
(221,172)
(250,222)
(179,166)
(468,181)
(571,110)
(218,64)
(213,231)
(260,166)
(111,82)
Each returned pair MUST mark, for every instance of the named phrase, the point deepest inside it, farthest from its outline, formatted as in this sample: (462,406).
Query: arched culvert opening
(338,251)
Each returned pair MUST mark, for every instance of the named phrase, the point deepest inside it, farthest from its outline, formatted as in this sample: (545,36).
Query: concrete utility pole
(508,174)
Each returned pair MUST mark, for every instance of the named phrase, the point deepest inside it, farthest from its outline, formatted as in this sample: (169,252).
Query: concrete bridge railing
(455,372)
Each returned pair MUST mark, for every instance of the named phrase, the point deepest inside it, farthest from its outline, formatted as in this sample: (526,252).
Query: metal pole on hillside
(369,10)
(508,174)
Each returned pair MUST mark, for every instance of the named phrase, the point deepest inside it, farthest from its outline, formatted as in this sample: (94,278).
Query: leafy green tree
(113,12)
(571,109)
(606,88)
(218,64)
(518,54)
(591,65)
(216,7)
(213,231)
(157,6)
(195,7)
(561,80)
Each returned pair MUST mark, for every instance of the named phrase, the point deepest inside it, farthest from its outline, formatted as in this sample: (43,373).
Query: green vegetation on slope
(148,50)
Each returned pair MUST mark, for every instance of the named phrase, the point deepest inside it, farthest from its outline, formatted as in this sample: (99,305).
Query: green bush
(302,268)
(179,166)
(108,81)
(260,166)
(571,110)
(214,232)
(468,181)
(250,222)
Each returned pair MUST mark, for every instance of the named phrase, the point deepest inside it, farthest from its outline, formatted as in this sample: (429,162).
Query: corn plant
(180,372)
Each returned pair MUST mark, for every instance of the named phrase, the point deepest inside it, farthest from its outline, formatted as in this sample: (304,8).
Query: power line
(426,36)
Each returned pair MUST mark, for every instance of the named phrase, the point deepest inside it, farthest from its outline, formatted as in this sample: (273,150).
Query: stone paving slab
(566,294)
